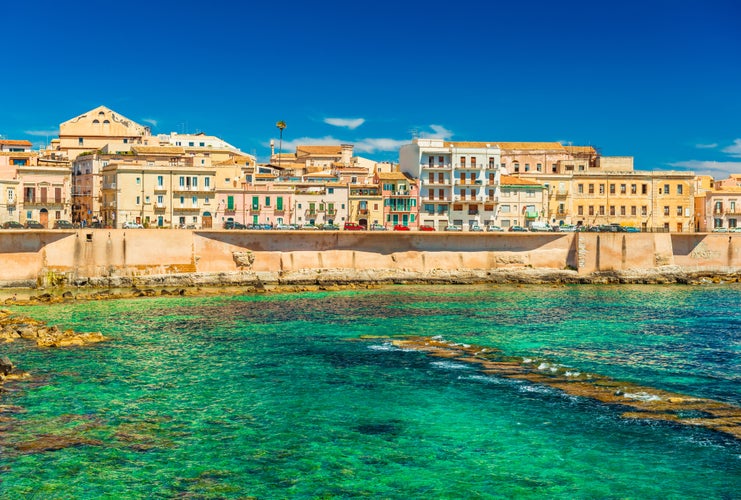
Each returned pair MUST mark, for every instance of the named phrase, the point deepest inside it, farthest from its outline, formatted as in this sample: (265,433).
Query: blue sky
(657,80)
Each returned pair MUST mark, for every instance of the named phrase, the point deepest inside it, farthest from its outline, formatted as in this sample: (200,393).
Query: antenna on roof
(414,132)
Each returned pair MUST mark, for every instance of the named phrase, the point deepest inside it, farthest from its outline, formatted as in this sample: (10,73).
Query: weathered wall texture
(46,258)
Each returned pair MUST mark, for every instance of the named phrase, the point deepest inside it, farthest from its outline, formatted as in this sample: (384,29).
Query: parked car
(517,229)
(377,227)
(453,227)
(566,228)
(539,226)
(426,227)
(475,228)
(631,229)
(401,227)
(11,224)
(230,224)
(33,224)
(282,227)
(132,225)
(330,227)
(720,230)
(63,224)
(736,230)
(309,226)
(492,229)
(353,226)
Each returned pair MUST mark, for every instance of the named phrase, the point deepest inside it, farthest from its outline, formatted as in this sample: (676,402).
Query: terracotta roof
(9,142)
(510,180)
(389,176)
(144,150)
(581,149)
(320,150)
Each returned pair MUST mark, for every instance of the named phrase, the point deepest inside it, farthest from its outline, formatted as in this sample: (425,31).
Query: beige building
(521,202)
(98,128)
(158,187)
(319,203)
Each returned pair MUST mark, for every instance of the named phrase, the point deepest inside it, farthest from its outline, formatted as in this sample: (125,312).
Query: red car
(353,226)
(426,228)
(401,227)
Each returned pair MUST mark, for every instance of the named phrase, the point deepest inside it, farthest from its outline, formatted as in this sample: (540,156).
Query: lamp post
(281,125)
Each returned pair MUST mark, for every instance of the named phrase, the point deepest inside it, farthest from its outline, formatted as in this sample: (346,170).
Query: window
(473,162)
(146,199)
(539,167)
(255,202)
(612,188)
(194,182)
(679,189)
(138,181)
(602,210)
(207,182)
(622,210)
(194,201)
(666,188)
(644,188)
(679,211)
(267,201)
(491,163)
(633,189)
(160,200)
(160,181)
(644,210)
(601,189)
(591,210)
(230,203)
(666,210)
(279,203)
(80,141)
(504,209)
(623,188)
(633,210)
(138,200)
(554,168)
(527,167)
(612,209)
(591,189)
(330,190)
(581,168)
(517,167)
(182,181)
(463,161)
(580,188)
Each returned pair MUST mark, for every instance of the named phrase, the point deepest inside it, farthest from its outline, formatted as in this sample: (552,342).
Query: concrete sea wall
(40,259)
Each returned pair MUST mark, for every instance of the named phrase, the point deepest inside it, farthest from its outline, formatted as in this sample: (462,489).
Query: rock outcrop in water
(13,327)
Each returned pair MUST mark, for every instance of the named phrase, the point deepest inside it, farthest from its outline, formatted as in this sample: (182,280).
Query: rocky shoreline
(100,288)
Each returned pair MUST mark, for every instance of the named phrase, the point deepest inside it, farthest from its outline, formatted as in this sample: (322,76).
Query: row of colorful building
(107,170)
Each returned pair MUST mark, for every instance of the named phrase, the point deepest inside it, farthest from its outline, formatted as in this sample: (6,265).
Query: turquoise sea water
(276,396)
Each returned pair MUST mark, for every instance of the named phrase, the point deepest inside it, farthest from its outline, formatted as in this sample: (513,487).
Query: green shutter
(279,203)
(230,203)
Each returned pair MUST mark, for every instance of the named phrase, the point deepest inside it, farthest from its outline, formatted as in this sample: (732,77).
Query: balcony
(427,166)
(733,211)
(230,211)
(561,193)
(41,201)
(160,189)
(159,206)
(363,211)
(186,208)
(193,189)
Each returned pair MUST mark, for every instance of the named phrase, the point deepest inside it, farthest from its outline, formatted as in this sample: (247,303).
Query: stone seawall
(116,257)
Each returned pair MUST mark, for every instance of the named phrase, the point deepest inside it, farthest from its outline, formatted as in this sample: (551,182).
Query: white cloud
(41,133)
(151,121)
(734,150)
(718,169)
(707,146)
(438,132)
(381,144)
(351,123)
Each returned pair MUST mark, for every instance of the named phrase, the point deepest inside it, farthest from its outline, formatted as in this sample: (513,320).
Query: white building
(459,181)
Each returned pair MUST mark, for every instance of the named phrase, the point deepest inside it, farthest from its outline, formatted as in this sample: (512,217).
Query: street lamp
(281,125)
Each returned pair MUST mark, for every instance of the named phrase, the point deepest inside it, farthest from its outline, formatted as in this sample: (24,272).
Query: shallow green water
(274,396)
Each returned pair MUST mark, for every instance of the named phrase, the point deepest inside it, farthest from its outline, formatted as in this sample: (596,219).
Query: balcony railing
(444,166)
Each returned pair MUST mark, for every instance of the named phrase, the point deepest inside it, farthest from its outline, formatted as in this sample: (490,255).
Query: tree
(281,125)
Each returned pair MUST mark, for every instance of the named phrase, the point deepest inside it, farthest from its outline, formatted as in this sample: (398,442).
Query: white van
(540,226)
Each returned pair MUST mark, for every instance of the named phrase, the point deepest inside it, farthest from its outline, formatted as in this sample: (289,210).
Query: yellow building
(365,204)
(521,202)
